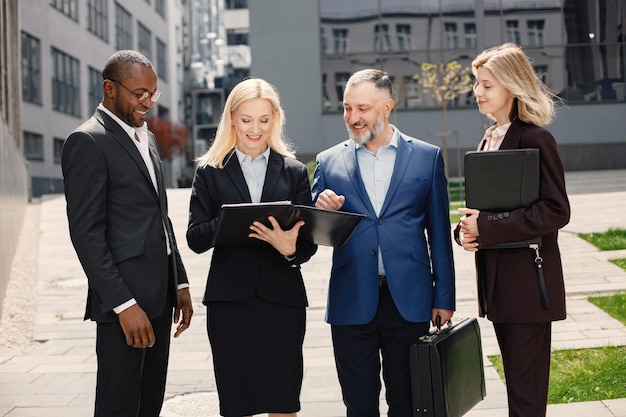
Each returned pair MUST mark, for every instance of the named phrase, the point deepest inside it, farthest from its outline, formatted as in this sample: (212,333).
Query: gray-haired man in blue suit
(396,272)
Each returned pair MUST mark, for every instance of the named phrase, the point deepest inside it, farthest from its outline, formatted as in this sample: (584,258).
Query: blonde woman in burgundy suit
(509,92)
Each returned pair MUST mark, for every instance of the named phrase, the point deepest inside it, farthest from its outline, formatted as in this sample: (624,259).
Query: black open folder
(323,227)
(500,181)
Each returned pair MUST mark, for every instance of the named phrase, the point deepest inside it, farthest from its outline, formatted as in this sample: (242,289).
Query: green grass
(614,305)
(587,374)
(619,262)
(583,374)
(613,239)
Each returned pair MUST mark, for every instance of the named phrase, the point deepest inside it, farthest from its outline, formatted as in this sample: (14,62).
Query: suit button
(373,252)
(380,221)
(500,216)
(506,215)
(489,218)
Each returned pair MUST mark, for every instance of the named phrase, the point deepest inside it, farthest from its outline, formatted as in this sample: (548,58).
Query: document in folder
(502,180)
(323,227)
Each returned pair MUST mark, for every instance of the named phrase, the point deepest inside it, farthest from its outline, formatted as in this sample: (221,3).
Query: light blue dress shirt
(254,172)
(376,171)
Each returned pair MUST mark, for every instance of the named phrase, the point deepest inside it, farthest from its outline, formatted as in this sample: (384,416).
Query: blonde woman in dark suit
(510,295)
(255,294)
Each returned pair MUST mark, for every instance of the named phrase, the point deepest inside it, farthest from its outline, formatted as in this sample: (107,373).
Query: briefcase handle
(438,323)
(430,336)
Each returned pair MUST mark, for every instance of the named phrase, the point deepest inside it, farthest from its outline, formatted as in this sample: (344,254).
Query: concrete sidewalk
(56,375)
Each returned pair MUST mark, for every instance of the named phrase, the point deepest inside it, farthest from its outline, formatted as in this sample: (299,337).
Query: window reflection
(578,48)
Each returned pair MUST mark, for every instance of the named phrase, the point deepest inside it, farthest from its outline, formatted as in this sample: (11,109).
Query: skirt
(257,355)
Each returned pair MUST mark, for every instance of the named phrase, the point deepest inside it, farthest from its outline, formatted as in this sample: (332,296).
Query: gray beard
(371,133)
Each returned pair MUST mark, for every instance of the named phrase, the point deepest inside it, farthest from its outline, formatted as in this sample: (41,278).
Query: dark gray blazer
(116,220)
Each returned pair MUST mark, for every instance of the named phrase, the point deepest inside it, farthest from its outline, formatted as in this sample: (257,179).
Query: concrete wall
(13,200)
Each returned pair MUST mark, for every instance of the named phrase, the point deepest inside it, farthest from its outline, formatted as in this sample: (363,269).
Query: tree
(445,82)
(171,137)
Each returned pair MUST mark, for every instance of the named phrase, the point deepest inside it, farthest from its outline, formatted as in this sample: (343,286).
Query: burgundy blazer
(507,278)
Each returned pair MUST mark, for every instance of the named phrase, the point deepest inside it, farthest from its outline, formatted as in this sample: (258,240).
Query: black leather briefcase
(447,374)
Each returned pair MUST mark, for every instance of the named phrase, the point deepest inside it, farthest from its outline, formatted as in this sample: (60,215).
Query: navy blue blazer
(236,272)
(412,231)
(116,220)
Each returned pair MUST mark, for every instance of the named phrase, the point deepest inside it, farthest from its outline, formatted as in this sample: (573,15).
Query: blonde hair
(512,68)
(226,138)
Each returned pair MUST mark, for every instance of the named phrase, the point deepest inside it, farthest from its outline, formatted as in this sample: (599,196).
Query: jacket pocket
(128,251)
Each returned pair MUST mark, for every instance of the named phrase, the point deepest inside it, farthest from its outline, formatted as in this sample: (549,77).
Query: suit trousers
(525,352)
(131,381)
(358,349)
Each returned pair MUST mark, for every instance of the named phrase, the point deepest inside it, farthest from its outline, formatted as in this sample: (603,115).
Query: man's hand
(137,327)
(444,314)
(328,200)
(185,307)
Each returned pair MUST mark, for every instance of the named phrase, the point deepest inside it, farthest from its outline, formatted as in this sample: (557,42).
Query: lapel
(403,156)
(234,172)
(156,163)
(513,135)
(352,168)
(274,169)
(115,131)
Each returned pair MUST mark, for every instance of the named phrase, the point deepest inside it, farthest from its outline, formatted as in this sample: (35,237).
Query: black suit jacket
(238,271)
(116,220)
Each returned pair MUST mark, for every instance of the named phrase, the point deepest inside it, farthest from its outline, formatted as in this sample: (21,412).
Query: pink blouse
(493,137)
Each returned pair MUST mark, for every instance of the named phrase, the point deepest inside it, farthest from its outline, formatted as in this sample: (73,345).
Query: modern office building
(64,44)
(309,49)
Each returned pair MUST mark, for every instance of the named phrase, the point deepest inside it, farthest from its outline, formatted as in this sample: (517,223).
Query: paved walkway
(56,375)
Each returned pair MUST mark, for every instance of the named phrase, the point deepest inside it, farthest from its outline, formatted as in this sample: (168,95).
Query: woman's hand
(283,240)
(469,229)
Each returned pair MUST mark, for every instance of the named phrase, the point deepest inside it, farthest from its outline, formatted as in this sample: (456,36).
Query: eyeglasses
(154,97)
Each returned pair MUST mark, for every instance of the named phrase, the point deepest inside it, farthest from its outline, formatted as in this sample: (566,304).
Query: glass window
(98,18)
(67,7)
(512,32)
(161,59)
(582,57)
(123,28)
(470,35)
(535,32)
(236,4)
(341,79)
(31,69)
(65,83)
(237,37)
(404,37)
(95,88)
(144,40)
(452,38)
(382,43)
(57,149)
(33,146)
(159,6)
(340,41)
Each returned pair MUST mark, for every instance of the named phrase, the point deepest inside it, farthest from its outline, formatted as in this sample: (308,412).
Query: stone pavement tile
(37,411)
(589,409)
(37,399)
(617,407)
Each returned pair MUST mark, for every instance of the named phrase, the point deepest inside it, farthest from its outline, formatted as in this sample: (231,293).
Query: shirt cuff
(183,285)
(124,306)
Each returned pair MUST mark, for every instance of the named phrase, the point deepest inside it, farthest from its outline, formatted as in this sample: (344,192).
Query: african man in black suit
(119,226)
